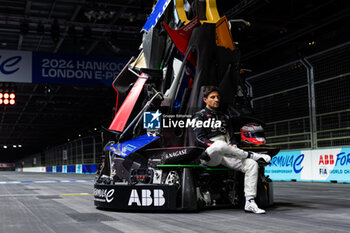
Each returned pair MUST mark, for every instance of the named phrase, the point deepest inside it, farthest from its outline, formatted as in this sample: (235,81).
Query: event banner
(37,67)
(15,66)
(326,165)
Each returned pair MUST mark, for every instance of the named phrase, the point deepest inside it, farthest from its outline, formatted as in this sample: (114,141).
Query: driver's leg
(221,147)
(250,169)
(232,162)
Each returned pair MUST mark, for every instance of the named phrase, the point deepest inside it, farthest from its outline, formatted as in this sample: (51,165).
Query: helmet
(253,134)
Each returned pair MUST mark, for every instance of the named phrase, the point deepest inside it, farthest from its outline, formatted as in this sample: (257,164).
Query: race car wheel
(173,178)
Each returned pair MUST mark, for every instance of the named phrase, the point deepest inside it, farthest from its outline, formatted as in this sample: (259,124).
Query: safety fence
(306,103)
(86,150)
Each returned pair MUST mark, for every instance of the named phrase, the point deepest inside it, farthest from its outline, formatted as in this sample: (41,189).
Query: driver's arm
(201,133)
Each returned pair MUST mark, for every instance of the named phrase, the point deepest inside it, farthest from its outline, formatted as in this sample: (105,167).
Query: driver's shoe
(252,207)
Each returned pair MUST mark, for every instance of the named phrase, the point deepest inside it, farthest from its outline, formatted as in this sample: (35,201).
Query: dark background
(49,115)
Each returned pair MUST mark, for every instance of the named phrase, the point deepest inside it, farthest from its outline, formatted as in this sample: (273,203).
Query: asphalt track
(32,203)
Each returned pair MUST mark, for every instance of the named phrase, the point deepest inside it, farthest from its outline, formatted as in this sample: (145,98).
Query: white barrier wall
(325,165)
(7,165)
(33,169)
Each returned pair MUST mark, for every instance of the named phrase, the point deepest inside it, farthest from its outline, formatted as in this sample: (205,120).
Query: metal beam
(27,103)
(27,7)
(113,21)
(35,116)
(67,112)
(146,7)
(20,41)
(239,8)
(49,17)
(48,125)
(18,19)
(75,14)
(25,94)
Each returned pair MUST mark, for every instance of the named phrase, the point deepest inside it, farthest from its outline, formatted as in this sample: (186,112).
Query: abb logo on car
(146,198)
(326,160)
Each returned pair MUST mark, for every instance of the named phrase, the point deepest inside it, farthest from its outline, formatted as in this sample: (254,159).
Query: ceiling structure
(48,115)
(73,26)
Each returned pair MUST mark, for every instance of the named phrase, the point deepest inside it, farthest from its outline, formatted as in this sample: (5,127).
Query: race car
(150,159)
(171,179)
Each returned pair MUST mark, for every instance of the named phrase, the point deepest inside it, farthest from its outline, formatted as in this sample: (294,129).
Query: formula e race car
(170,179)
(150,158)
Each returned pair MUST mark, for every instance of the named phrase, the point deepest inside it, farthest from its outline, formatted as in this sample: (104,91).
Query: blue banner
(46,68)
(59,169)
(89,168)
(75,70)
(71,169)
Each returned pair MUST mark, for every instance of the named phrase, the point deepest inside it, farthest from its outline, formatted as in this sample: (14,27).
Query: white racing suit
(220,152)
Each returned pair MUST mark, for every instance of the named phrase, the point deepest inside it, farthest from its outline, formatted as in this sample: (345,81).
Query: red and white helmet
(253,134)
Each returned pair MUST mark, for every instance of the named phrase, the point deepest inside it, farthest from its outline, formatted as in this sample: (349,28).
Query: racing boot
(252,207)
(259,157)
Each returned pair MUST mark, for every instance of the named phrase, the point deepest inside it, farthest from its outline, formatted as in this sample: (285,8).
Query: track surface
(64,203)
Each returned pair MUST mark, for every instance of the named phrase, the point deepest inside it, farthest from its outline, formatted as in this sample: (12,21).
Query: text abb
(326,159)
(146,199)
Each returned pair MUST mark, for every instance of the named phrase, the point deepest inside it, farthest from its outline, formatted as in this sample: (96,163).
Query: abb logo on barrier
(326,160)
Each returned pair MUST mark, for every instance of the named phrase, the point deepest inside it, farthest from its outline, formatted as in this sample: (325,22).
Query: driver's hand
(235,146)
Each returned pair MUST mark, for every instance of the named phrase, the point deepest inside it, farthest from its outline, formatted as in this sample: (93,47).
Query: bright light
(5,147)
(14,146)
(79,135)
(6,98)
(95,129)
(19,145)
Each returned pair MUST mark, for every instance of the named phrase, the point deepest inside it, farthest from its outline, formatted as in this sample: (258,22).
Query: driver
(221,147)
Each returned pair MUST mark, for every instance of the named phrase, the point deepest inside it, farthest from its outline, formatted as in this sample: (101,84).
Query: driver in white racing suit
(222,149)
